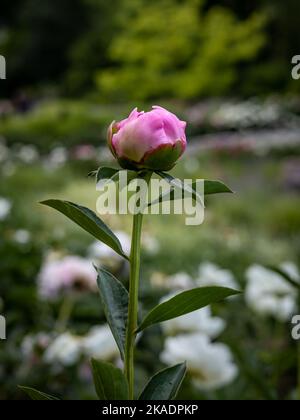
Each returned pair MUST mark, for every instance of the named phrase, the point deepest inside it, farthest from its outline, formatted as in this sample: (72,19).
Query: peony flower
(84,152)
(152,140)
(211,275)
(291,270)
(71,273)
(200,321)
(33,345)
(57,158)
(178,281)
(107,256)
(5,207)
(100,344)
(65,349)
(28,154)
(267,293)
(210,364)
(150,244)
(22,236)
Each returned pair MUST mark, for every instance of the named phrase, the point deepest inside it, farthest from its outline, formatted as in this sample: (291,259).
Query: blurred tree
(171,48)
(37,38)
(181,48)
(89,52)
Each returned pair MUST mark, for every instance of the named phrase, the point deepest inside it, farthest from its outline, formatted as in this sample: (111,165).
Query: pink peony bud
(152,140)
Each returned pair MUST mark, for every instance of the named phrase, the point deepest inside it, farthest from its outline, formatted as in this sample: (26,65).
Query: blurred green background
(225,67)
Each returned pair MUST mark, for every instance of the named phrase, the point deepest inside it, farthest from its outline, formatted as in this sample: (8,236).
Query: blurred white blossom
(212,275)
(100,343)
(65,349)
(28,154)
(22,236)
(178,281)
(200,321)
(56,158)
(107,256)
(70,273)
(150,244)
(246,114)
(5,207)
(267,293)
(34,344)
(210,365)
(291,270)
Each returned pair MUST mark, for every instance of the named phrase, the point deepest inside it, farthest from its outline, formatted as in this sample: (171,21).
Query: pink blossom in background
(70,273)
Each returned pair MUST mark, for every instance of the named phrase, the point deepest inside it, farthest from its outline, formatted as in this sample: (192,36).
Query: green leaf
(285,276)
(110,382)
(89,221)
(105,172)
(214,187)
(112,174)
(210,187)
(165,384)
(114,298)
(34,394)
(184,303)
(177,183)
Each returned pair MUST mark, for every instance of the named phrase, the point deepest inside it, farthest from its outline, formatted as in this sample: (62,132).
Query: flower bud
(152,140)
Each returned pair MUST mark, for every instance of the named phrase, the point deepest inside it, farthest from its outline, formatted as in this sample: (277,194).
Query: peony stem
(133,301)
(64,314)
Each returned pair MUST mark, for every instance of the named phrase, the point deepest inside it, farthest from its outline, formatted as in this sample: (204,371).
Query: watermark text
(296,68)
(296,327)
(2,67)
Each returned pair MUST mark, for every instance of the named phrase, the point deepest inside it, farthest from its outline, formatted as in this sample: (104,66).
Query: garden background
(225,67)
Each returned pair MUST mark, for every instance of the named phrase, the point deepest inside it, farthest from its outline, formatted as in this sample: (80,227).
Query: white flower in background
(56,158)
(267,293)
(100,343)
(178,281)
(22,236)
(65,349)
(200,321)
(5,207)
(37,343)
(107,256)
(181,281)
(291,269)
(71,273)
(210,365)
(212,275)
(150,244)
(246,114)
(28,154)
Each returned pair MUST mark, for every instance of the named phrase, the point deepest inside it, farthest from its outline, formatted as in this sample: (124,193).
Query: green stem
(64,314)
(133,301)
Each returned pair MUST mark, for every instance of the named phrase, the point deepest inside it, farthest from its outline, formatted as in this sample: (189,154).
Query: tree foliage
(139,49)
(180,51)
